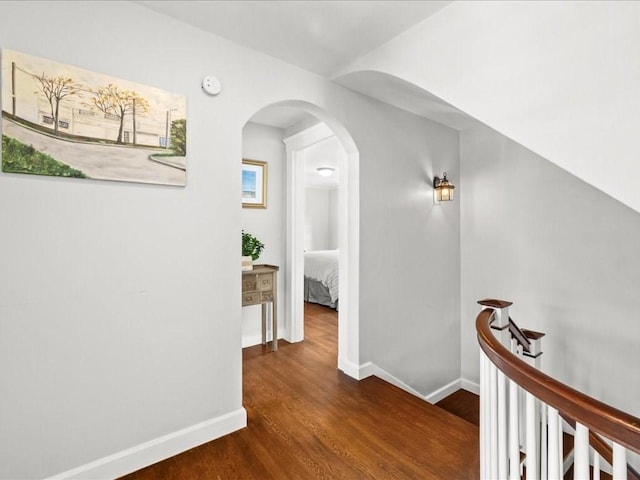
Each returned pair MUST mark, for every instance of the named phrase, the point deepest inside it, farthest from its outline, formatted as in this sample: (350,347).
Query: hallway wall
(563,252)
(120,304)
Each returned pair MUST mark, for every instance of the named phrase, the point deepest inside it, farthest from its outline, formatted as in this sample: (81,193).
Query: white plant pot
(247,263)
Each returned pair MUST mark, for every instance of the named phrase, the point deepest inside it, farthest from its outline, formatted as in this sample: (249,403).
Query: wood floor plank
(307,420)
(463,404)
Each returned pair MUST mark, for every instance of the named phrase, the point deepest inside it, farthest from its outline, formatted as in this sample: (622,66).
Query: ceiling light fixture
(325,171)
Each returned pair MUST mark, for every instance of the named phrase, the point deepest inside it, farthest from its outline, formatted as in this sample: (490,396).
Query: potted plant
(251,250)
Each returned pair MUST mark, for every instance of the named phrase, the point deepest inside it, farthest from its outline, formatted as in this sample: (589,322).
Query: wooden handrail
(599,417)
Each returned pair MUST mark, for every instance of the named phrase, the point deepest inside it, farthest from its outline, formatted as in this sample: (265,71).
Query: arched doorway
(316,125)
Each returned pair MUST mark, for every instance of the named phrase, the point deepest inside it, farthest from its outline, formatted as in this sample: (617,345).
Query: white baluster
(493,421)
(544,447)
(554,461)
(596,466)
(619,462)
(581,452)
(560,445)
(484,417)
(531,461)
(503,460)
(514,435)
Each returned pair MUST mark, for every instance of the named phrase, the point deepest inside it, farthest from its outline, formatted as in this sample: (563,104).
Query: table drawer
(249,283)
(267,296)
(265,282)
(251,298)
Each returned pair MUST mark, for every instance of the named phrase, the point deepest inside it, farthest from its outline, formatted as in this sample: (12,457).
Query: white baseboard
(350,368)
(255,340)
(470,386)
(252,340)
(387,377)
(368,369)
(153,451)
(443,392)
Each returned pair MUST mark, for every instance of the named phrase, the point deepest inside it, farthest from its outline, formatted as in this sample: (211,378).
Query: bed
(321,277)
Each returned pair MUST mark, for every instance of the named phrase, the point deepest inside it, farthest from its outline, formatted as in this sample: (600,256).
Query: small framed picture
(254,184)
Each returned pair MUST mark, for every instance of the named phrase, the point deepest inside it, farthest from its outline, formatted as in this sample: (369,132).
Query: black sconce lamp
(442,189)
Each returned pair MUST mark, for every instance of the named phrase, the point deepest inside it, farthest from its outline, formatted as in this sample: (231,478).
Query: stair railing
(521,411)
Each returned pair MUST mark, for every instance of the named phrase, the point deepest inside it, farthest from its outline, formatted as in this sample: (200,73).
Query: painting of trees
(179,136)
(55,89)
(66,121)
(111,100)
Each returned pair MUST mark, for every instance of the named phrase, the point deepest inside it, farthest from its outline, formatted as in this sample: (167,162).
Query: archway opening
(301,127)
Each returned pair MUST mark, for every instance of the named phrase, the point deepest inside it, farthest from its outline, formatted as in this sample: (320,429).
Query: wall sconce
(325,171)
(442,189)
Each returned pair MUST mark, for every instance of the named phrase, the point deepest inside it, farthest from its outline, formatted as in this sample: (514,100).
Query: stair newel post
(534,355)
(495,463)
(521,402)
(502,325)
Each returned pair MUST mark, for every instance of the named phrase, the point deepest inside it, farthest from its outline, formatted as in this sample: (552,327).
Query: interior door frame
(348,241)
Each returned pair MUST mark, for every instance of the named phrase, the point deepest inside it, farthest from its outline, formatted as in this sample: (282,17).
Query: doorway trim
(348,238)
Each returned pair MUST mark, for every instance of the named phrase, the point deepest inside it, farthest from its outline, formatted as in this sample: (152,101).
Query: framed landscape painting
(254,184)
(62,120)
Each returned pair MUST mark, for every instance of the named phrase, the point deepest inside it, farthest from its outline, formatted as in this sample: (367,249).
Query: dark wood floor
(463,404)
(307,420)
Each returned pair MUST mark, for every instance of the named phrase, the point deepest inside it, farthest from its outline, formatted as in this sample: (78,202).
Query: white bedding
(322,265)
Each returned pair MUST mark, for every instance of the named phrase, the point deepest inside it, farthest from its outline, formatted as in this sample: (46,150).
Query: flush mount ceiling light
(325,171)
(442,189)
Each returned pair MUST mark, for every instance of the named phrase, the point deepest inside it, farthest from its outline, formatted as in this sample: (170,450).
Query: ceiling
(322,37)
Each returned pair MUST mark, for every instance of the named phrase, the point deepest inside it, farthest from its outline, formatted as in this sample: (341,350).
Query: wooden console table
(259,287)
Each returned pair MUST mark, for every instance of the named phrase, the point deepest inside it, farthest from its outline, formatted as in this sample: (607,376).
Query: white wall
(410,253)
(563,252)
(120,303)
(320,223)
(561,78)
(333,219)
(260,142)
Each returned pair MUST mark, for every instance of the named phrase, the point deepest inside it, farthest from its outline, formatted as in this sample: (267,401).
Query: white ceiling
(283,117)
(322,37)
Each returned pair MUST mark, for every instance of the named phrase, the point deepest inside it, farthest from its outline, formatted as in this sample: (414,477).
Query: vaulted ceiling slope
(560,78)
